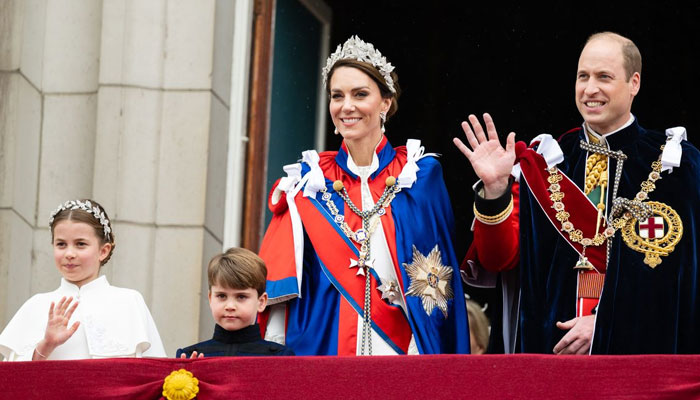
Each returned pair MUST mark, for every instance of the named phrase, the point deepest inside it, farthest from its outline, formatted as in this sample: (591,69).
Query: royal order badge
(430,280)
(657,235)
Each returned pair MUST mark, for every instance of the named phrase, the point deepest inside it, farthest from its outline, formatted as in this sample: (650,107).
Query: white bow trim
(671,156)
(288,182)
(293,177)
(315,182)
(414,152)
(516,171)
(549,149)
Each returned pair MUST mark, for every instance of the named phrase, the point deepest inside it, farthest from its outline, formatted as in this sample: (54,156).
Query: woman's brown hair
(376,76)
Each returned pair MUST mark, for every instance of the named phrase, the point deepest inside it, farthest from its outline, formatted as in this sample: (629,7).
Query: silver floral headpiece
(87,207)
(356,49)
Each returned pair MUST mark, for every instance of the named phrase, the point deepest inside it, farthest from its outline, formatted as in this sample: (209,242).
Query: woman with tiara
(359,251)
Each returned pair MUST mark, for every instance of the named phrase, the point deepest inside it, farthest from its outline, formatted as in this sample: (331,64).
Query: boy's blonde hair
(238,268)
(478,324)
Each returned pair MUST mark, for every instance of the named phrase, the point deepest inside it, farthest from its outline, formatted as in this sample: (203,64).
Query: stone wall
(126,102)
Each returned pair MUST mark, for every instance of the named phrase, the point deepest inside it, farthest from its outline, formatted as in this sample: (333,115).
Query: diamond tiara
(87,207)
(356,49)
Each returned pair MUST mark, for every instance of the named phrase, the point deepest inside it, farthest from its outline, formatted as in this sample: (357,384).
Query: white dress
(114,322)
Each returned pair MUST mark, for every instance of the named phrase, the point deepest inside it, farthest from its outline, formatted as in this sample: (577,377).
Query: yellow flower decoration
(180,385)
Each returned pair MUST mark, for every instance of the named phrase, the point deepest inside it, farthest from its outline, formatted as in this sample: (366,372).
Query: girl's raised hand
(57,330)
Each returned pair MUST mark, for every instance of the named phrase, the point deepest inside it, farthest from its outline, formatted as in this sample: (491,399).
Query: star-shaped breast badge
(430,280)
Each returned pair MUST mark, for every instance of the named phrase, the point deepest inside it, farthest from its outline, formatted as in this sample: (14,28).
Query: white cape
(114,322)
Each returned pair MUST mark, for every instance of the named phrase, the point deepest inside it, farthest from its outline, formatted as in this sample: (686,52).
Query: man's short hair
(631,57)
(238,268)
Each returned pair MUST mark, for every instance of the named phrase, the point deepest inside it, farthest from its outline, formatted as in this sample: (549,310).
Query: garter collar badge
(649,227)
(430,280)
(654,236)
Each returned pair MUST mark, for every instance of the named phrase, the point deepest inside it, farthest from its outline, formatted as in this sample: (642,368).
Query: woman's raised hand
(491,162)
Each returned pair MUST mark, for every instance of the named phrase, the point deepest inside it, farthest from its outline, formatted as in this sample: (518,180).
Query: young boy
(236,296)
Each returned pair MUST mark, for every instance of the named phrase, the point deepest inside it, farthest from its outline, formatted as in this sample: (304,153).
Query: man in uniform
(594,233)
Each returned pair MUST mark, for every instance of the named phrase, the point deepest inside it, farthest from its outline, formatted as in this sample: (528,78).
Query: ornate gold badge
(430,280)
(656,236)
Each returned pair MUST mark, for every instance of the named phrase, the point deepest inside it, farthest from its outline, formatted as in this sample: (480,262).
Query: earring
(382,116)
(335,130)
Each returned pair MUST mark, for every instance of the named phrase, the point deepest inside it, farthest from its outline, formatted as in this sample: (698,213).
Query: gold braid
(596,168)
(596,171)
(494,219)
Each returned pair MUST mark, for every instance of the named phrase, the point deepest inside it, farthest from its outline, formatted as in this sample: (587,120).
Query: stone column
(153,122)
(10,52)
(49,63)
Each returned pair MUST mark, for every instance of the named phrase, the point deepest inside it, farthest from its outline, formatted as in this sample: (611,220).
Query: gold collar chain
(576,235)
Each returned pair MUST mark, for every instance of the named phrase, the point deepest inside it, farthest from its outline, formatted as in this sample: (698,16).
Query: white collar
(92,286)
(628,123)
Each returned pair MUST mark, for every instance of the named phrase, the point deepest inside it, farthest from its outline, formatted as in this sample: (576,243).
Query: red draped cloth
(522,376)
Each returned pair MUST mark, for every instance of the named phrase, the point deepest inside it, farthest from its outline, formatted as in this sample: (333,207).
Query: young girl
(85,317)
